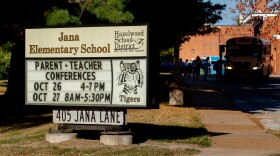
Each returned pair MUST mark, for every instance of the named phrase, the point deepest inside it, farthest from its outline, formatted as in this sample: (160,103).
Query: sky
(227,15)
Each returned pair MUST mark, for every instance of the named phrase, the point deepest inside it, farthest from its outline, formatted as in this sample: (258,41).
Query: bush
(5,57)
(167,54)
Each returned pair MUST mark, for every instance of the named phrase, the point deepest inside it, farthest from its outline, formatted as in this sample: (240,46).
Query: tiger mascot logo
(130,76)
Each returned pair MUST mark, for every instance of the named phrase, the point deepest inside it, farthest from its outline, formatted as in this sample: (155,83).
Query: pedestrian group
(192,69)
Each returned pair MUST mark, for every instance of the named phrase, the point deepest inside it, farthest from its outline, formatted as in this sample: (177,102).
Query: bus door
(221,61)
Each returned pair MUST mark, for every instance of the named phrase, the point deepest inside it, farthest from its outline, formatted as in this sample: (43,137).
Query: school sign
(103,66)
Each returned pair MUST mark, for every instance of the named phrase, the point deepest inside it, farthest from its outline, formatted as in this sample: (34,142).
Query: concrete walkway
(234,133)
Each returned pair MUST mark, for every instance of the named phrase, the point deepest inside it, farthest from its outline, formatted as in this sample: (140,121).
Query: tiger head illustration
(131,77)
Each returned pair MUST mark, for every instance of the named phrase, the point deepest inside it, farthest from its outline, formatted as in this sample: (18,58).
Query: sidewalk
(234,133)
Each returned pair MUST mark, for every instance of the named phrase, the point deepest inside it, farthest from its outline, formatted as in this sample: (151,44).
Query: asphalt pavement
(266,107)
(233,131)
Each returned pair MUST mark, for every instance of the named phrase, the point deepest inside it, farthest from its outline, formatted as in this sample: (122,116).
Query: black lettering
(87,115)
(93,116)
(100,117)
(61,37)
(43,86)
(118,117)
(56,96)
(107,97)
(82,119)
(71,98)
(112,119)
(48,65)
(40,96)
(58,115)
(77,117)
(99,86)
(36,65)
(63,115)
(106,118)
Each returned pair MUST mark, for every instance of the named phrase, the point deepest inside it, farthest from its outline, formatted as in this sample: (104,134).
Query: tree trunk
(176,96)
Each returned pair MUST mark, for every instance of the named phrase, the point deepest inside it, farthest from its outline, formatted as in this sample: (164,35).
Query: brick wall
(208,45)
(271,26)
(275,51)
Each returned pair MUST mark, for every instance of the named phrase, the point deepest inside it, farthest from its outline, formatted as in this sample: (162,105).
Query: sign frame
(123,59)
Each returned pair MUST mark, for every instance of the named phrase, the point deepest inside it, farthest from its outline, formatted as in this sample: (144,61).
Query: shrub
(5,57)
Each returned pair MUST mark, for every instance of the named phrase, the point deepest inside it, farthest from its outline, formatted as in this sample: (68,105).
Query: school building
(264,24)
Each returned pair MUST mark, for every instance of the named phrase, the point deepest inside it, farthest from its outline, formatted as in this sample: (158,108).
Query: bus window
(244,50)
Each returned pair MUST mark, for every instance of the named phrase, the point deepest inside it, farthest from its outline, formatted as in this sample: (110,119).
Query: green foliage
(57,16)
(167,54)
(110,10)
(203,141)
(5,57)
(153,150)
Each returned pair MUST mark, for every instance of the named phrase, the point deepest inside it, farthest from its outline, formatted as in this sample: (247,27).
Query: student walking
(188,68)
(196,68)
(217,68)
(182,67)
(206,68)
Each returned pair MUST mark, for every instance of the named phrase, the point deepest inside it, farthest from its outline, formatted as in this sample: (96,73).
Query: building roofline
(262,15)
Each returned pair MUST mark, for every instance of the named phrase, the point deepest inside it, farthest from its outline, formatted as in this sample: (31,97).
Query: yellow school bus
(247,56)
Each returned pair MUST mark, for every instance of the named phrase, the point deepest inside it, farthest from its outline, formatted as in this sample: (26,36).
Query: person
(181,66)
(217,68)
(196,68)
(206,68)
(188,68)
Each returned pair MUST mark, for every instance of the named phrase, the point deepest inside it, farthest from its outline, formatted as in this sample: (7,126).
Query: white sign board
(102,82)
(96,117)
(118,41)
(88,66)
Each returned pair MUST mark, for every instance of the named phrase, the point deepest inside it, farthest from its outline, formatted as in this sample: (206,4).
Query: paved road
(259,99)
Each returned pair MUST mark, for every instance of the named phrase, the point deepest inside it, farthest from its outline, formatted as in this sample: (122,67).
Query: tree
(257,13)
(110,11)
(58,16)
(167,54)
(173,23)
(196,16)
(5,56)
(170,23)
